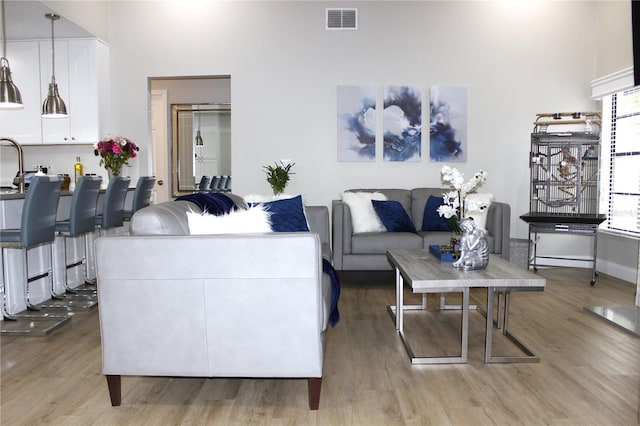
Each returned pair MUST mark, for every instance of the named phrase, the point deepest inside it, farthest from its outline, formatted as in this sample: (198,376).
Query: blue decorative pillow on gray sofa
(431,220)
(393,216)
(287,215)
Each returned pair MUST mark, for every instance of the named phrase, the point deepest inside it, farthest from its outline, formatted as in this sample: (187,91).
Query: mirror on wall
(201,144)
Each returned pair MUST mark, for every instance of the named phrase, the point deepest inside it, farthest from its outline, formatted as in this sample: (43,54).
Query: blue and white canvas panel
(402,123)
(356,123)
(448,124)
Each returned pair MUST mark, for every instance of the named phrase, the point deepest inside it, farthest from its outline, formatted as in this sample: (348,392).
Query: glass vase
(113,172)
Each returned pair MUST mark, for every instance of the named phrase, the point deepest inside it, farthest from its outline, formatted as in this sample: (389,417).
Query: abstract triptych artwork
(401,123)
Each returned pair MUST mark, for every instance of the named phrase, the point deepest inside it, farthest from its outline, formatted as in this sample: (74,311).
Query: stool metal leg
(72,299)
(35,323)
(5,300)
(52,289)
(91,263)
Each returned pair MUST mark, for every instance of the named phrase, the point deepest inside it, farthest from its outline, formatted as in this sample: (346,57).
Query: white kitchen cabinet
(82,76)
(24,125)
(80,64)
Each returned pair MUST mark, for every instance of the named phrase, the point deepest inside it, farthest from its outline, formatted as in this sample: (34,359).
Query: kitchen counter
(13,194)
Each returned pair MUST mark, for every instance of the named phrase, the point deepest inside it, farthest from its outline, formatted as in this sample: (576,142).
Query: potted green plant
(278,175)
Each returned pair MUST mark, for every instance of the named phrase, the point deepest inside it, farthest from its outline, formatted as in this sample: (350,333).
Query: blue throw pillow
(287,215)
(393,216)
(431,220)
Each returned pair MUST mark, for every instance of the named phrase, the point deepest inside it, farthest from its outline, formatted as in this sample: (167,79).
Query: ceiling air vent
(342,19)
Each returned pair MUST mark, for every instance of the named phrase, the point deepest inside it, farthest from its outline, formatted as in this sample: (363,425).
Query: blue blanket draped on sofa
(328,269)
(214,203)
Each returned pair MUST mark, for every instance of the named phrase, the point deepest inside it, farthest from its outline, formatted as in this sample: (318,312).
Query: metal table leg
(489,358)
(464,339)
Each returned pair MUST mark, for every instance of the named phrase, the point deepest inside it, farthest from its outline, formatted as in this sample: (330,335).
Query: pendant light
(53,106)
(10,97)
(199,141)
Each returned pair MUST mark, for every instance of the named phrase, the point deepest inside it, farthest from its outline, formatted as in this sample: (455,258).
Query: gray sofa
(367,251)
(231,305)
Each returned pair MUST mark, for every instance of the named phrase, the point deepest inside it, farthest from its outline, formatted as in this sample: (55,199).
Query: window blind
(620,191)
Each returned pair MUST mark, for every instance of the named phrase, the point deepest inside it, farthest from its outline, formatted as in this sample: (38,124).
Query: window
(620,167)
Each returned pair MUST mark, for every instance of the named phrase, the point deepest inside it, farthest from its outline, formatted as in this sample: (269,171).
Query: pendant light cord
(4,34)
(53,49)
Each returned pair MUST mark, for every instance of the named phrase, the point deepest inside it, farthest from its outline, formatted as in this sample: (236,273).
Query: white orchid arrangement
(454,206)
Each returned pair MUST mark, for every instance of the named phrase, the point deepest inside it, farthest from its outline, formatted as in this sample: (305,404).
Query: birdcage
(564,164)
(564,173)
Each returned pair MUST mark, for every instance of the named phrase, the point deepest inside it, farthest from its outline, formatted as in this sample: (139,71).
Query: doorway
(181,90)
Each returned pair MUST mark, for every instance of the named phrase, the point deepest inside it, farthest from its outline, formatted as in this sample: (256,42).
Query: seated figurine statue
(474,249)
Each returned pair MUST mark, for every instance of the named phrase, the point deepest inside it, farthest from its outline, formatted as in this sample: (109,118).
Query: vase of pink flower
(115,152)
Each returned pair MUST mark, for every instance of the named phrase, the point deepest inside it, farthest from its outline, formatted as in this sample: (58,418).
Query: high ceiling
(25,20)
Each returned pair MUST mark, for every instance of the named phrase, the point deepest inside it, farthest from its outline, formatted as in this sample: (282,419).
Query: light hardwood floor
(589,371)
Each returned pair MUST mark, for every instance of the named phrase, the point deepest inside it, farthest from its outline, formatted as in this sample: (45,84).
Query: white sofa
(241,305)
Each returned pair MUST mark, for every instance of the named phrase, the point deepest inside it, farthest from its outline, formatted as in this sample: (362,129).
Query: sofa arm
(318,219)
(499,226)
(342,229)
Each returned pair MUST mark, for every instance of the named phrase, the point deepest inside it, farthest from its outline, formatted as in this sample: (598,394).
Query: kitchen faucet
(20,163)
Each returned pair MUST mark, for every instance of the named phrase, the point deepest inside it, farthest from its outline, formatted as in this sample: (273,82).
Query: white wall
(90,15)
(614,45)
(515,61)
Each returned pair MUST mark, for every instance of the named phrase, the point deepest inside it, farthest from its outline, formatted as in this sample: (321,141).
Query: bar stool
(37,227)
(81,221)
(141,195)
(215,183)
(112,214)
(223,183)
(204,183)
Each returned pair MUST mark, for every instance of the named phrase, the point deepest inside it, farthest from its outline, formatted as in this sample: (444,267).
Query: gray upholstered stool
(37,227)
(215,183)
(223,183)
(112,215)
(81,222)
(141,195)
(227,185)
(204,183)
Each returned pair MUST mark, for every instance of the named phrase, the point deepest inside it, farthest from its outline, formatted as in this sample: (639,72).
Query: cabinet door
(83,91)
(24,125)
(55,130)
(76,75)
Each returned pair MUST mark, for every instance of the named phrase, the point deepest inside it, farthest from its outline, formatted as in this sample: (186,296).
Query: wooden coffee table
(425,273)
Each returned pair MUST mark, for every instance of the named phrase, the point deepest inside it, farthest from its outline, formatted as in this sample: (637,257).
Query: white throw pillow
(477,207)
(363,216)
(252,220)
